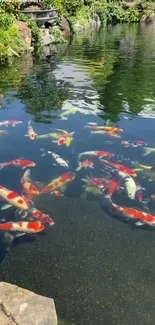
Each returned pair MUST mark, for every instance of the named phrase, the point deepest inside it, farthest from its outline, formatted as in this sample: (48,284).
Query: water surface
(98,266)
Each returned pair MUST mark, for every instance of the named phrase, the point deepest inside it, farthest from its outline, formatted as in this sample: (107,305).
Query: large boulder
(26,33)
(47,39)
(23,307)
(64,26)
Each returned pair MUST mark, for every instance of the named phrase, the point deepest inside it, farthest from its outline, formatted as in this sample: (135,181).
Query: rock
(47,39)
(64,26)
(25,32)
(148,18)
(23,307)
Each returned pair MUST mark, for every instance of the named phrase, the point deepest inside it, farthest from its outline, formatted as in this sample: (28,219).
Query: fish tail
(29,122)
(2,165)
(147,151)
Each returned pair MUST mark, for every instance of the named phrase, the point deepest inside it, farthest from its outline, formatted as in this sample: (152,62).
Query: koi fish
(96,153)
(10,122)
(49,136)
(18,163)
(27,185)
(105,184)
(57,193)
(42,217)
(3,132)
(148,151)
(144,217)
(85,164)
(104,128)
(119,167)
(31,134)
(59,161)
(129,185)
(68,112)
(138,165)
(134,143)
(59,182)
(65,139)
(92,189)
(110,133)
(26,227)
(13,199)
(146,173)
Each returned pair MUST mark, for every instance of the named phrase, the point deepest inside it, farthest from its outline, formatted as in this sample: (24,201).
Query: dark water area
(97,264)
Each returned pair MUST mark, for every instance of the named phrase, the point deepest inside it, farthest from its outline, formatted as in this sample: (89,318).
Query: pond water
(96,262)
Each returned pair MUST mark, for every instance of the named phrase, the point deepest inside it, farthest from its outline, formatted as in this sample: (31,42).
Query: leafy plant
(57,35)
(6,19)
(101,9)
(10,6)
(36,38)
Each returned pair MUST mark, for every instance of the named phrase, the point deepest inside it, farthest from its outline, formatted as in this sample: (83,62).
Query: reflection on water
(88,111)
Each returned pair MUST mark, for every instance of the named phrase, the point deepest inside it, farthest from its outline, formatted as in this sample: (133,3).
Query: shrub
(6,19)
(10,6)
(10,42)
(101,9)
(36,38)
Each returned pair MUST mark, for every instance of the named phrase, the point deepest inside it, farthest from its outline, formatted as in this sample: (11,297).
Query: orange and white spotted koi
(42,217)
(13,199)
(25,227)
(58,182)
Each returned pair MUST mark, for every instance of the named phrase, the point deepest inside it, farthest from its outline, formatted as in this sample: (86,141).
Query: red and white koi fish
(42,217)
(26,227)
(104,128)
(110,133)
(143,217)
(31,134)
(96,153)
(18,163)
(59,182)
(119,167)
(85,164)
(10,122)
(65,140)
(57,193)
(104,184)
(31,189)
(133,144)
(13,199)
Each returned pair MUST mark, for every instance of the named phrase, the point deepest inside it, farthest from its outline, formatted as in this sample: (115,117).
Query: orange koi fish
(26,227)
(59,182)
(13,199)
(10,122)
(119,167)
(105,128)
(96,153)
(110,185)
(18,163)
(31,134)
(42,217)
(85,164)
(144,217)
(27,185)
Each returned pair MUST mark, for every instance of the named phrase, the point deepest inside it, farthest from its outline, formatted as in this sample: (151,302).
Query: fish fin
(78,168)
(43,154)
(139,223)
(54,141)
(25,135)
(8,237)
(2,166)
(63,188)
(135,163)
(6,206)
(20,234)
(147,151)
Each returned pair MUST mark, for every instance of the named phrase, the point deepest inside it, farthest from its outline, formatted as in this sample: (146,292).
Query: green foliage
(133,15)
(83,15)
(36,38)
(10,39)
(57,35)
(6,19)
(101,9)
(10,6)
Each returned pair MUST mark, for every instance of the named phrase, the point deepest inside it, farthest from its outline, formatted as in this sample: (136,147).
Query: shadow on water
(96,268)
